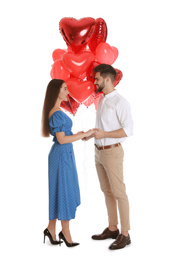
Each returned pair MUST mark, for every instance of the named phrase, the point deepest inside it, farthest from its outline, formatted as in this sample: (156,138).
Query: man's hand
(99,134)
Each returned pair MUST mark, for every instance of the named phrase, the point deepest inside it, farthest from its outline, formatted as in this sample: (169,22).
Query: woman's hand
(88,135)
(89,132)
(80,132)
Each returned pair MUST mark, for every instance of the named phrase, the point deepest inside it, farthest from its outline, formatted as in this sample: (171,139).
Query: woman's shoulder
(55,113)
(57,118)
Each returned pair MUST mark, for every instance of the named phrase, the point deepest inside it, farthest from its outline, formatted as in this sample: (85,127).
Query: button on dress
(64,194)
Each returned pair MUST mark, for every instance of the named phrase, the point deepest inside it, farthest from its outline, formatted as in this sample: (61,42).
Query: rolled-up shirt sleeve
(125,117)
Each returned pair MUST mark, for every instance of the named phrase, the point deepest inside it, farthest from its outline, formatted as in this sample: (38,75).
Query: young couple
(113,125)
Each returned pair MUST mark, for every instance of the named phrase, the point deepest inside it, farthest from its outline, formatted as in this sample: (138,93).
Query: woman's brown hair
(51,96)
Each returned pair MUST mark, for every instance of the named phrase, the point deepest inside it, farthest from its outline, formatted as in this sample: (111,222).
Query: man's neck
(107,91)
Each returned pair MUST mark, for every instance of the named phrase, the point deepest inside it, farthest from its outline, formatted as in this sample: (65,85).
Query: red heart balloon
(100,34)
(90,73)
(89,101)
(77,33)
(77,64)
(106,54)
(94,98)
(58,71)
(80,90)
(71,105)
(57,54)
(118,77)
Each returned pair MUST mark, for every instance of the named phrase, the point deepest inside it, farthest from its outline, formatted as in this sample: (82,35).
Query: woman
(64,194)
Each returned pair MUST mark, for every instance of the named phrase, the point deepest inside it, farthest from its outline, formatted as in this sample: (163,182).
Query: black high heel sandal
(61,236)
(48,234)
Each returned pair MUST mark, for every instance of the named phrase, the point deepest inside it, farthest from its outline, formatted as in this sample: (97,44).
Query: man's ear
(107,79)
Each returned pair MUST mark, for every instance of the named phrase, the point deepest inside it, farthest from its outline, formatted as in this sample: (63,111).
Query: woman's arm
(62,139)
(88,137)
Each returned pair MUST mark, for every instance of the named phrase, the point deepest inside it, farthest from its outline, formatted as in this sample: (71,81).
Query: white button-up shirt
(113,113)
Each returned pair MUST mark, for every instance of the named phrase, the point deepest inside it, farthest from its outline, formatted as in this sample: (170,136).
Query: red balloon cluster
(87,48)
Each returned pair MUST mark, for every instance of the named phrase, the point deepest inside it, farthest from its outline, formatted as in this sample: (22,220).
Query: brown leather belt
(107,146)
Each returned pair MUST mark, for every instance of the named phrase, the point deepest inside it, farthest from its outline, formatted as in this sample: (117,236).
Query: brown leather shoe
(121,242)
(106,234)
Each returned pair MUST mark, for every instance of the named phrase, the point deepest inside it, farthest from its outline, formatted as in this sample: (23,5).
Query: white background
(142,32)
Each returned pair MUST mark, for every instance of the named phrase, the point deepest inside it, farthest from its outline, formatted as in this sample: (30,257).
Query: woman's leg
(66,230)
(52,228)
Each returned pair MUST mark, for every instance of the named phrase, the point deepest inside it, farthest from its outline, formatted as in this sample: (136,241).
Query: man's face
(99,82)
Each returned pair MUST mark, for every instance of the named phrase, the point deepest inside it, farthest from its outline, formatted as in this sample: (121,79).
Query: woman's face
(63,93)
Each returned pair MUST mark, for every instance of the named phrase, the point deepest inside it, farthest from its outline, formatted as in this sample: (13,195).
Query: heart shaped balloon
(58,71)
(89,101)
(77,64)
(77,33)
(80,90)
(71,105)
(100,34)
(57,54)
(90,73)
(106,54)
(93,98)
(118,77)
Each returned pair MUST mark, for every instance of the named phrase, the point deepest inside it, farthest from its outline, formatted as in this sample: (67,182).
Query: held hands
(89,133)
(97,133)
(85,136)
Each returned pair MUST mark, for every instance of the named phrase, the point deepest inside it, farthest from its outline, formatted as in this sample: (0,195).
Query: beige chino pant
(109,165)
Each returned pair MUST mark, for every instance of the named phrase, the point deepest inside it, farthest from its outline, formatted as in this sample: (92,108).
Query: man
(113,125)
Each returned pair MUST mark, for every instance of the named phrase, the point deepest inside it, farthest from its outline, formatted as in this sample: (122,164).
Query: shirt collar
(113,93)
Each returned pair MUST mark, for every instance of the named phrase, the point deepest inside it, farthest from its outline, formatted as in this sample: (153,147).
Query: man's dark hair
(106,71)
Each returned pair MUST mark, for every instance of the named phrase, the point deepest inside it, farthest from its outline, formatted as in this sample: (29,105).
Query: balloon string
(84,122)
